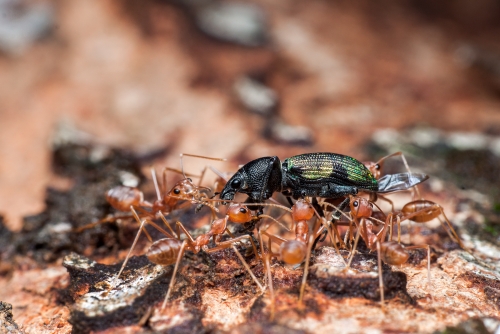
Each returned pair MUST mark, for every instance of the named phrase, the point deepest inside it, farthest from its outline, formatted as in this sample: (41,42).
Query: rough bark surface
(141,84)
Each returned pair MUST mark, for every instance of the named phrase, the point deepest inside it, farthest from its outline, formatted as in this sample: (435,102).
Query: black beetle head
(236,184)
(258,178)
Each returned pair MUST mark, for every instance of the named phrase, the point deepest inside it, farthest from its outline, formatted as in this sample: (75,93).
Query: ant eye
(190,180)
(377,166)
(236,184)
(243,210)
(355,204)
(177,191)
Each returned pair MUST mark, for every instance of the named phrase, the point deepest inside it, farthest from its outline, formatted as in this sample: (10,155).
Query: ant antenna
(155,181)
(196,156)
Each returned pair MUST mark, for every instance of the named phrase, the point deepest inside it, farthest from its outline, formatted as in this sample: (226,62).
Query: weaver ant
(295,251)
(423,211)
(390,252)
(123,198)
(171,249)
(362,215)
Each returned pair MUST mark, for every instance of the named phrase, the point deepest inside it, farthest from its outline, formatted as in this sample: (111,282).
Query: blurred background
(244,79)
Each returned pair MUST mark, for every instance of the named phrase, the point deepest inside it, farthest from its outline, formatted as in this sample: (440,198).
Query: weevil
(327,175)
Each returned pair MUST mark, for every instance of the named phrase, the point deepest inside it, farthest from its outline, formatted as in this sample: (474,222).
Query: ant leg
(317,207)
(152,223)
(202,175)
(156,226)
(230,243)
(306,268)
(451,229)
(383,198)
(167,224)
(399,229)
(172,280)
(229,232)
(254,246)
(346,235)
(390,230)
(334,227)
(141,228)
(340,209)
(380,276)
(276,221)
(108,219)
(337,237)
(272,237)
(180,227)
(382,234)
(218,173)
(147,233)
(332,237)
(133,244)
(251,241)
(358,232)
(267,265)
(325,226)
(409,171)
(271,287)
(182,155)
(409,231)
(155,182)
(247,267)
(391,225)
(429,284)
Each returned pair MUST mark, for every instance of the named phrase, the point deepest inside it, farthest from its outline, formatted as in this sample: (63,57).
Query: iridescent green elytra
(329,167)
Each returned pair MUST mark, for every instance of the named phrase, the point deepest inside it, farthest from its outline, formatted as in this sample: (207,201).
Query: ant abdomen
(164,251)
(302,210)
(122,197)
(421,205)
(293,252)
(393,253)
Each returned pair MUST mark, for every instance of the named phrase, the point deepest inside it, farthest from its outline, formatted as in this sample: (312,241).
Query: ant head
(375,168)
(302,210)
(361,207)
(239,213)
(183,189)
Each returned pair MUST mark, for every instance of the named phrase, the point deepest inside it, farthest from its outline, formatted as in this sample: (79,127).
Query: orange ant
(390,252)
(170,250)
(419,211)
(423,211)
(123,198)
(295,251)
